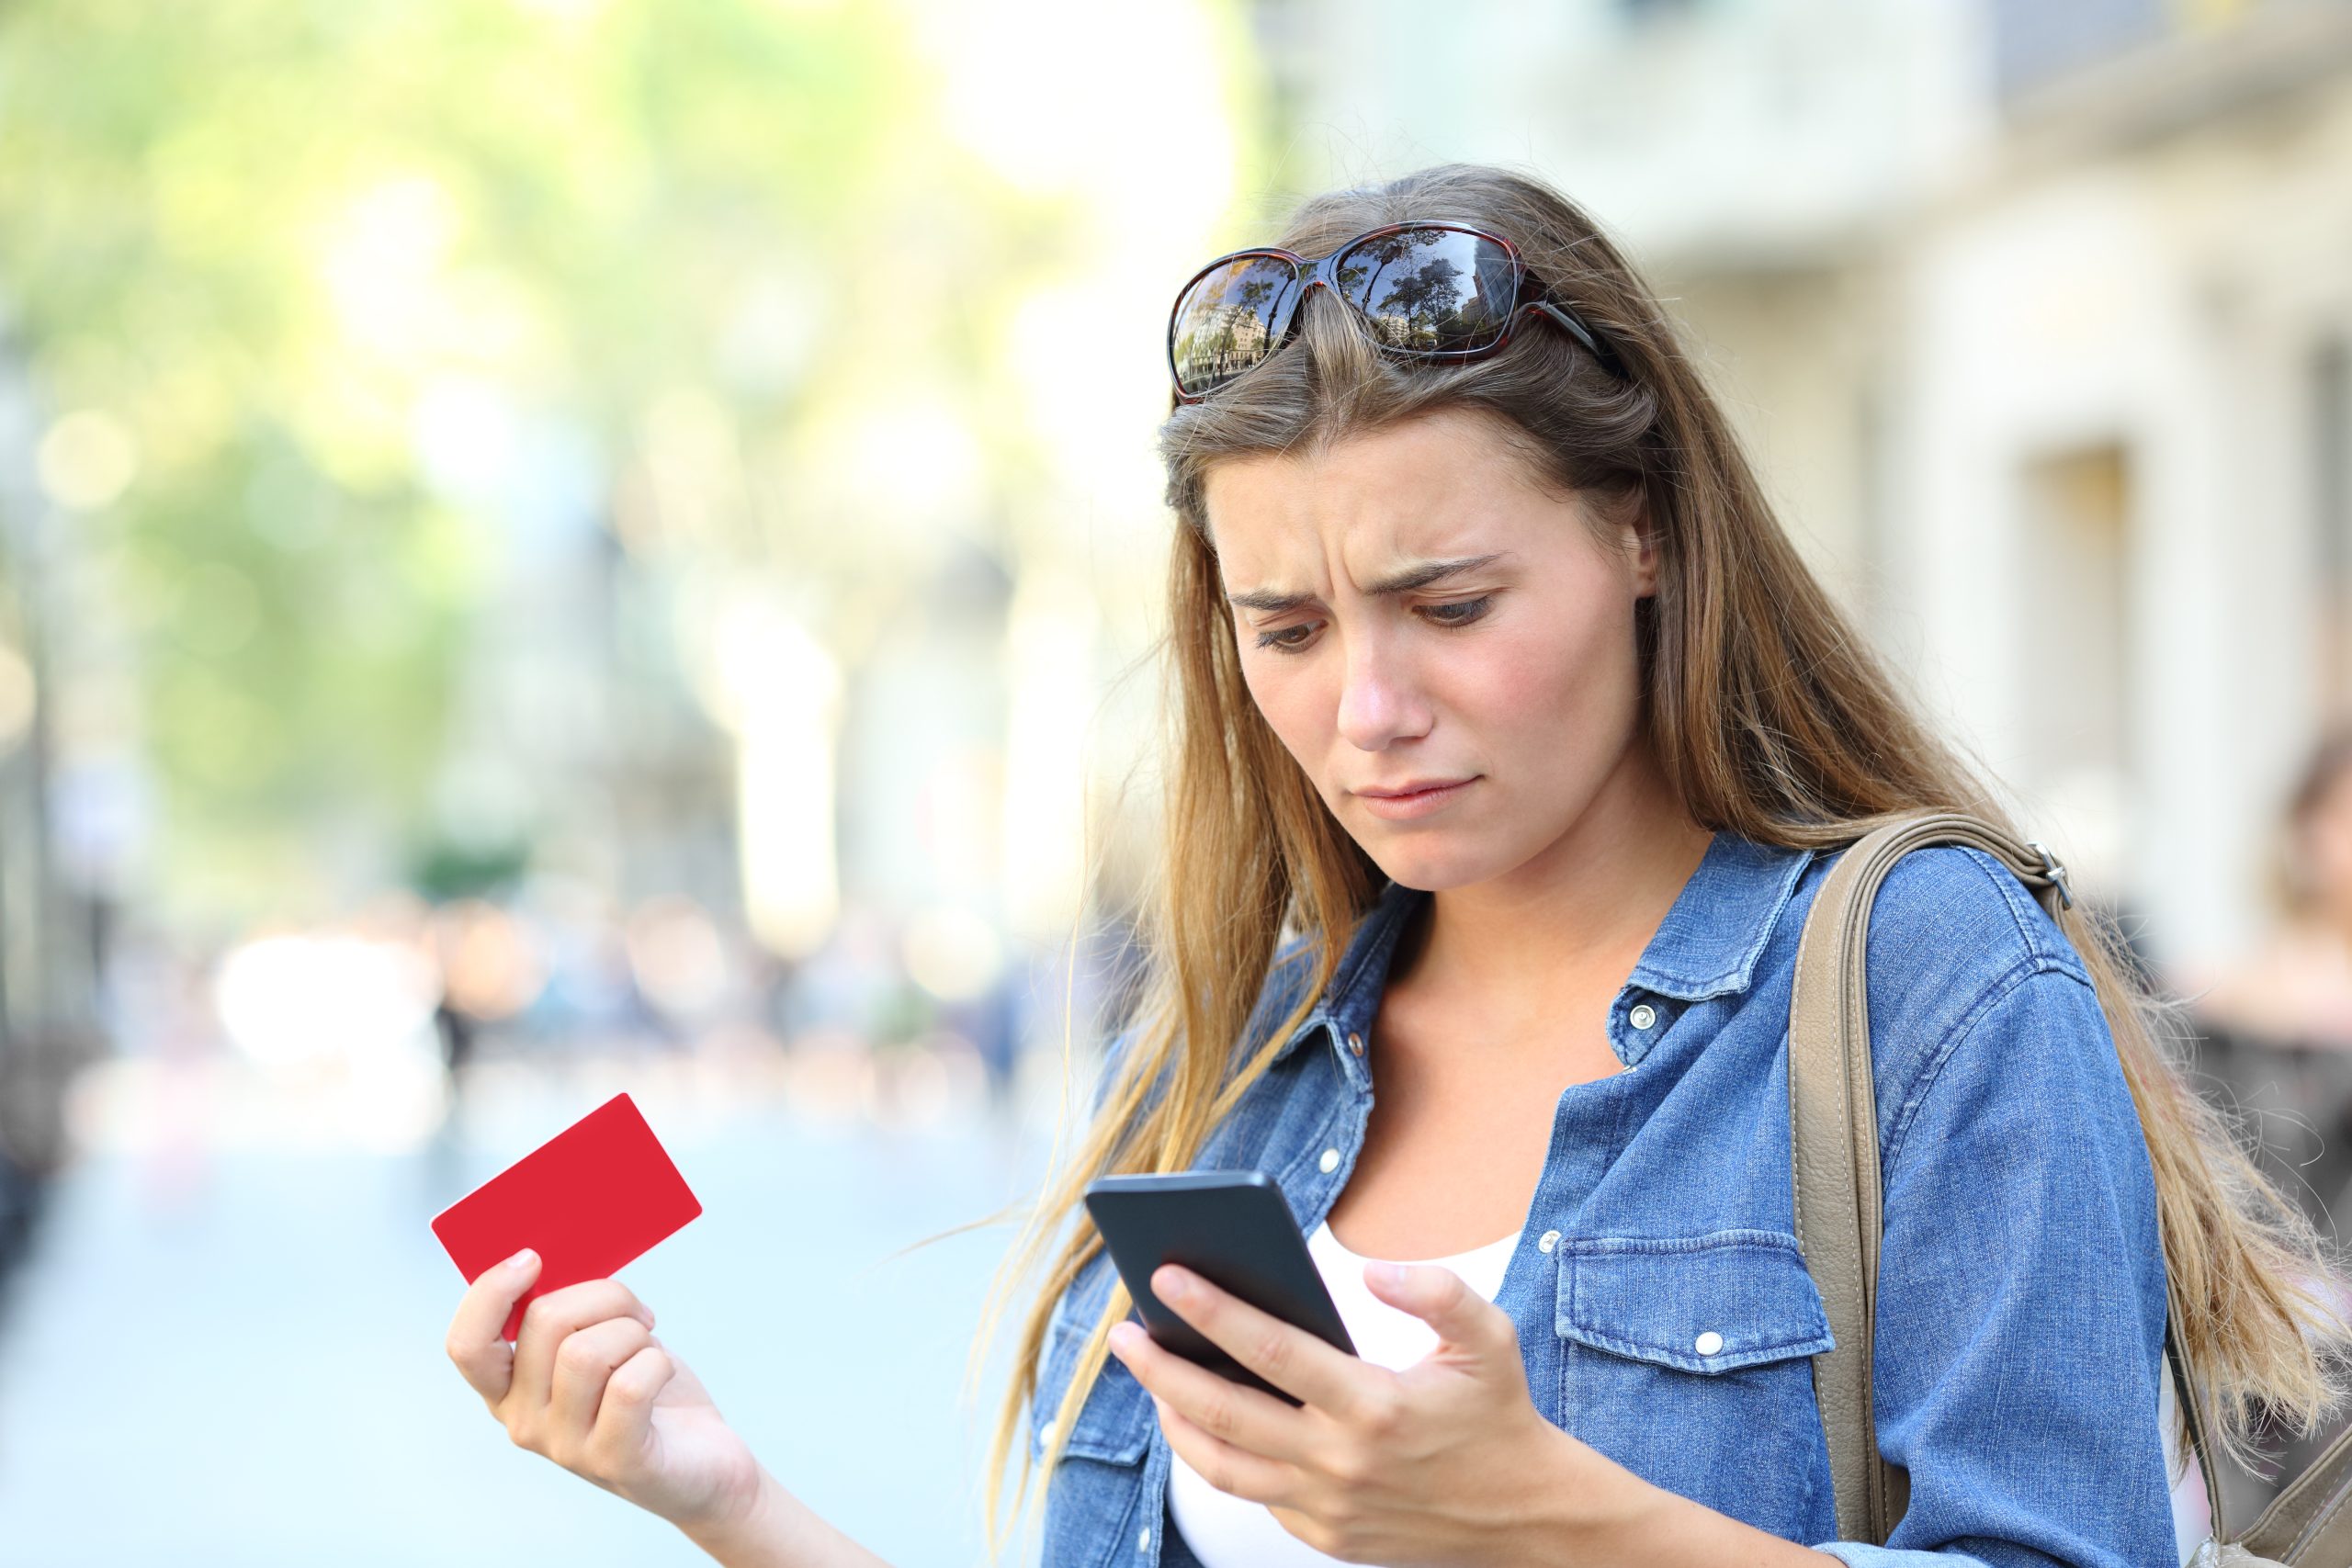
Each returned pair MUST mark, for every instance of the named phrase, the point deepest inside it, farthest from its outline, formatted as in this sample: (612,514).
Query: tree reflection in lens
(1229,321)
(1418,292)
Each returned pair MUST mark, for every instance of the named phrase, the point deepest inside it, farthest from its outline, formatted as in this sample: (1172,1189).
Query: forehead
(1421,486)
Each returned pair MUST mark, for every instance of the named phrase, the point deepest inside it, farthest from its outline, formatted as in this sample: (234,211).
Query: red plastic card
(590,1199)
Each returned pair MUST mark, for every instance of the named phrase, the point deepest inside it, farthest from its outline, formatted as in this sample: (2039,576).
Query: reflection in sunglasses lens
(1433,290)
(1230,319)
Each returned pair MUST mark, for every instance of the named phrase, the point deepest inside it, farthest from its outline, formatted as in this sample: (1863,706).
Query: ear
(1641,548)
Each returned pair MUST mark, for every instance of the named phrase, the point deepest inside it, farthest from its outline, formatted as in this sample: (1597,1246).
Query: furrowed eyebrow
(1403,582)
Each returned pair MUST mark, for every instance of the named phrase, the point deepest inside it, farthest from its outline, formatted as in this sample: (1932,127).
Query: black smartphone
(1231,1227)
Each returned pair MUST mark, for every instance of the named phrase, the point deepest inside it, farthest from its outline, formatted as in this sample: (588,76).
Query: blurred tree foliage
(279,244)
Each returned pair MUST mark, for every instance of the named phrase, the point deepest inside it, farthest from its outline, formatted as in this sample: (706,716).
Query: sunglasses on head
(1429,290)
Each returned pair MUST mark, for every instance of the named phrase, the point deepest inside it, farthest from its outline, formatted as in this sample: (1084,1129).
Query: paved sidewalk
(237,1360)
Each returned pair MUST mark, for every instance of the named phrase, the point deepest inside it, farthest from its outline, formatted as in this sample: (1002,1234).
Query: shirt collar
(1707,945)
(1708,942)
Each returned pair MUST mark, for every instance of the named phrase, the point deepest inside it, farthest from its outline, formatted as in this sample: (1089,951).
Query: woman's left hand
(1447,1461)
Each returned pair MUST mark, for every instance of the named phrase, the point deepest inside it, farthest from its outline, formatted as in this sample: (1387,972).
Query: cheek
(1292,701)
(1557,678)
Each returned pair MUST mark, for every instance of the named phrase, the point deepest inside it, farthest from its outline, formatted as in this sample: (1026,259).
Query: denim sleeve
(2021,1297)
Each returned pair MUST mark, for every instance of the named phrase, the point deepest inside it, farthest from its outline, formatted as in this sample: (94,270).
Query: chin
(1428,861)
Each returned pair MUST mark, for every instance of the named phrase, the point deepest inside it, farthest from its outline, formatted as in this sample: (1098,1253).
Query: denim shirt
(2021,1287)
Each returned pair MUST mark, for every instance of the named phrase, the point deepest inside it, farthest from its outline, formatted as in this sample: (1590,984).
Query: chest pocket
(1114,1424)
(1686,1359)
(1706,1303)
(1094,1496)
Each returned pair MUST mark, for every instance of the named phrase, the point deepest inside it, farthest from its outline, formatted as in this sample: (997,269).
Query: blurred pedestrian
(2274,1039)
(2296,988)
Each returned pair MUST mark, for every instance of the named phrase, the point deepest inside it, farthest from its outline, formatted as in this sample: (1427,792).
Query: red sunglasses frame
(1322,272)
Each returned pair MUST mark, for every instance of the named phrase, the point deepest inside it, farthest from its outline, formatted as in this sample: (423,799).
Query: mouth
(1417,797)
(1416,788)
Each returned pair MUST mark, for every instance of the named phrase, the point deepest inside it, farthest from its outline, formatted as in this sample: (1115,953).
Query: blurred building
(2037,320)
(58,839)
(577,741)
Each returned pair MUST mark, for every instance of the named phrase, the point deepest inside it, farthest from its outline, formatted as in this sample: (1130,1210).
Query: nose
(1379,703)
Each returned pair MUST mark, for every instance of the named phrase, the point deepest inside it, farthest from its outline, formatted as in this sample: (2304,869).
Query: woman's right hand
(588,1386)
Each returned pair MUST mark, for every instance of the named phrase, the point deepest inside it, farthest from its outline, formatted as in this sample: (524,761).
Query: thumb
(1439,1298)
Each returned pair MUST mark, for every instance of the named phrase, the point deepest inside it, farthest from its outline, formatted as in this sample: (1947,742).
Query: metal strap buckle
(2053,871)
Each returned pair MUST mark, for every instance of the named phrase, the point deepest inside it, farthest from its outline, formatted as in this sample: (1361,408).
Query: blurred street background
(554,546)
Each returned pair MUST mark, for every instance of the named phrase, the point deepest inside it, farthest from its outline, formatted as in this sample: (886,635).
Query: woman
(1501,693)
(2296,988)
(2276,1034)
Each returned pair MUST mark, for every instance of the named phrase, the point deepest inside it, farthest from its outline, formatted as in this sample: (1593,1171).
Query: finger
(550,1318)
(625,1417)
(1245,1417)
(584,1362)
(1462,1317)
(1233,1471)
(1289,1357)
(475,1342)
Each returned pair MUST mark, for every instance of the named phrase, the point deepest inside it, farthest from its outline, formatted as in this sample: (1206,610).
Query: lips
(1416,786)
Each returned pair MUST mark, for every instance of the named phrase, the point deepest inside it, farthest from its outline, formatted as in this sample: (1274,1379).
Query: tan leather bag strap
(2192,1409)
(1833,1135)
(1833,1132)
(2310,1524)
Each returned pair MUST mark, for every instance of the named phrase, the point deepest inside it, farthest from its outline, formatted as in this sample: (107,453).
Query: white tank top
(1225,1531)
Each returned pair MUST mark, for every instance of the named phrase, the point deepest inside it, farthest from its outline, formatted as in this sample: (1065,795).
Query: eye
(1460,612)
(1289,639)
(1454,612)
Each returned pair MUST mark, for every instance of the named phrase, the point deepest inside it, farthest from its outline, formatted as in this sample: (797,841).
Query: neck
(1581,911)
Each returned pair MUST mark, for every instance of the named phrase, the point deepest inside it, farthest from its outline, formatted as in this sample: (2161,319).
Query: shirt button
(1142,1541)
(1045,1437)
(1643,1016)
(1330,1161)
(1547,1241)
(1708,1343)
(1355,1041)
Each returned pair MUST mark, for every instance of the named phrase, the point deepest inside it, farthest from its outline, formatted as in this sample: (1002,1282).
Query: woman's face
(1413,611)
(2326,846)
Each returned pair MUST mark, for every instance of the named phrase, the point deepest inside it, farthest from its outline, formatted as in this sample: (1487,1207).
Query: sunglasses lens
(1226,321)
(1431,290)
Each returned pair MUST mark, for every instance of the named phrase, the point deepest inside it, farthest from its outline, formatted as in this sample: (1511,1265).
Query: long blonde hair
(1771,716)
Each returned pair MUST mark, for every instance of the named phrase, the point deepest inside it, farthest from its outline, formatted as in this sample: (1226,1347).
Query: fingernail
(523,1260)
(1123,1336)
(1172,1284)
(1388,1273)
